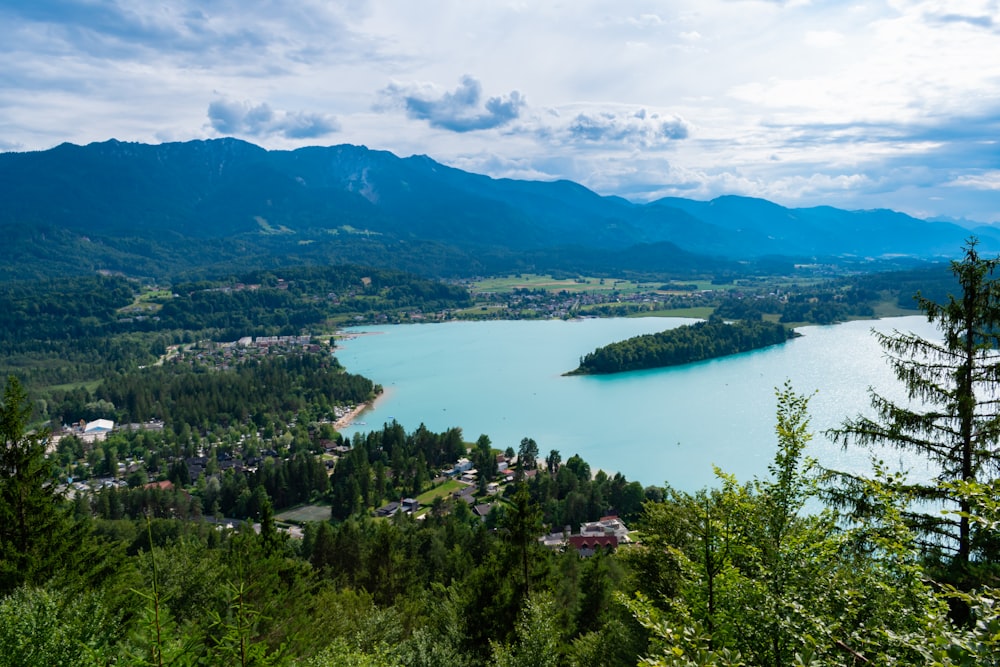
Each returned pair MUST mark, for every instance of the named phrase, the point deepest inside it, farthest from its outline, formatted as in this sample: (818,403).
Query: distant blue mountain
(178,206)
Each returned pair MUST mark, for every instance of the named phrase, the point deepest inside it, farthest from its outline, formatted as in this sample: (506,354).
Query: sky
(879,104)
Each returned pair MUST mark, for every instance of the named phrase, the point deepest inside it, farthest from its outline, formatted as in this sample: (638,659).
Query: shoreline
(349,418)
(347,334)
(347,421)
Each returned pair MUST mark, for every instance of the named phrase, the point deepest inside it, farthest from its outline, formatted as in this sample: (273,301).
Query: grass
(147,301)
(304,514)
(89,385)
(889,308)
(505,284)
(479,311)
(446,489)
(700,312)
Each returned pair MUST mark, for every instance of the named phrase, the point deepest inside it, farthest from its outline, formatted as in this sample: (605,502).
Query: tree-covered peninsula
(685,344)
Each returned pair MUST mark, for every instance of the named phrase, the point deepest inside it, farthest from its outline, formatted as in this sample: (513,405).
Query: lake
(504,379)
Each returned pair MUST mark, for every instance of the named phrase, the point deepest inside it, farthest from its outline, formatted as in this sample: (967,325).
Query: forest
(75,329)
(231,523)
(683,345)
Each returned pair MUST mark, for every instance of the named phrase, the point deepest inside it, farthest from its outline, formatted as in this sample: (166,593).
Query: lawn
(446,489)
(304,514)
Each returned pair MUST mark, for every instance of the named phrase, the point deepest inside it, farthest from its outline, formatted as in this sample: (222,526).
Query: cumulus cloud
(637,128)
(233,117)
(459,111)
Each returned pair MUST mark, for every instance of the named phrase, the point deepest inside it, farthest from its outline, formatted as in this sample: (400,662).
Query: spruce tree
(33,527)
(953,418)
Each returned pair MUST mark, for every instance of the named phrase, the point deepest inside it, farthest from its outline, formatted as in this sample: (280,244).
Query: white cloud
(878,103)
(462,110)
(622,128)
(823,38)
(230,117)
(988,180)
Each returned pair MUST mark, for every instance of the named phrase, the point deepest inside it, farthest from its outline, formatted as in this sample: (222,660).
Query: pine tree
(954,418)
(32,525)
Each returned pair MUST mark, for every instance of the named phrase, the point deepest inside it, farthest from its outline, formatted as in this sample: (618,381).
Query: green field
(427,497)
(89,385)
(148,301)
(506,284)
(304,514)
(700,312)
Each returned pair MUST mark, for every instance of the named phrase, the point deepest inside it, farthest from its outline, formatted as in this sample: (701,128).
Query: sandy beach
(349,418)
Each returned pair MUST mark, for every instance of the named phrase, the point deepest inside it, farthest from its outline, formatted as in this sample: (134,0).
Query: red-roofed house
(588,545)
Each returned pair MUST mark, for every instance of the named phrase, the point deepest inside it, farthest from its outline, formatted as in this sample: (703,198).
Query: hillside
(179,207)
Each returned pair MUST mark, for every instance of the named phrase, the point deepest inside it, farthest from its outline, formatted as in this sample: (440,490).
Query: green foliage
(520,525)
(940,644)
(39,626)
(754,580)
(953,383)
(538,637)
(360,479)
(341,654)
(741,574)
(68,331)
(34,528)
(682,345)
(235,635)
(272,385)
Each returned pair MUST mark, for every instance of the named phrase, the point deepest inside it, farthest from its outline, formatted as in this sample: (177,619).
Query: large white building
(97,430)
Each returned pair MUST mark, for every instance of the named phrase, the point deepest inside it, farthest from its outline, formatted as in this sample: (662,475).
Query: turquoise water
(672,425)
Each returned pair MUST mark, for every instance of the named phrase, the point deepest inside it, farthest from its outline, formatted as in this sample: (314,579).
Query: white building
(607,525)
(97,430)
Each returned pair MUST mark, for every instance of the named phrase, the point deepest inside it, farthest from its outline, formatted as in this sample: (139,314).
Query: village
(458,483)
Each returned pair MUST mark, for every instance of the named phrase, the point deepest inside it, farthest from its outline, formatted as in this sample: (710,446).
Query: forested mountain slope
(161,209)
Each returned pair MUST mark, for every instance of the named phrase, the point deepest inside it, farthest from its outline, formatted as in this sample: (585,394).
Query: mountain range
(223,205)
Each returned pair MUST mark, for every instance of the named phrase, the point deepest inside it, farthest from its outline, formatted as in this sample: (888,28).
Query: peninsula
(685,344)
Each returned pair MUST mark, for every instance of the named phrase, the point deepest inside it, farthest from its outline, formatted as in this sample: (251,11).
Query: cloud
(220,35)
(458,111)
(978,21)
(637,128)
(231,117)
(987,180)
(823,38)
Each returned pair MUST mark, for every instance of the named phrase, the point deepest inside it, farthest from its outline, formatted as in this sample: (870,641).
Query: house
(606,525)
(588,545)
(482,509)
(387,510)
(466,494)
(463,465)
(555,540)
(410,505)
(165,485)
(469,476)
(195,466)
